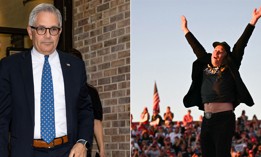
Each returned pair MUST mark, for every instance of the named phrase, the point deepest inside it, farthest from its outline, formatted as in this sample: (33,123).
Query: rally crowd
(156,136)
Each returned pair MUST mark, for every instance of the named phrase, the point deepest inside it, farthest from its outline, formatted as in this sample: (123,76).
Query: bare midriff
(215,107)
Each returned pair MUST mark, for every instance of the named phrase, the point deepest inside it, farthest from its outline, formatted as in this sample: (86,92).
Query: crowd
(158,136)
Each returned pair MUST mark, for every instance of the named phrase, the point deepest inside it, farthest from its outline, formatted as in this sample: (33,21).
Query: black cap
(224,44)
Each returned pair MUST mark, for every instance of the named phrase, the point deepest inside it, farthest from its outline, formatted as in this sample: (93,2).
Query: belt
(56,142)
(209,115)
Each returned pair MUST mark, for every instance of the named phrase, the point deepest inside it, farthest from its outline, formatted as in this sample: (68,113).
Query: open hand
(184,24)
(255,16)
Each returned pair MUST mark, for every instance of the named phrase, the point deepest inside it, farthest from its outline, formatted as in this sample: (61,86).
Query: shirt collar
(40,56)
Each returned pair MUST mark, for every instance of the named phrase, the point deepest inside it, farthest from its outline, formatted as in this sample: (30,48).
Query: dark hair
(223,44)
(76,53)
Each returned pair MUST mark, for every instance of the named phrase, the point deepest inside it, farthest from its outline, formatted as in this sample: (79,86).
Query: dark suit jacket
(17,103)
(233,61)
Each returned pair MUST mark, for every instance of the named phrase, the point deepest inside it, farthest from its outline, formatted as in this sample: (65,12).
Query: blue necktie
(47,104)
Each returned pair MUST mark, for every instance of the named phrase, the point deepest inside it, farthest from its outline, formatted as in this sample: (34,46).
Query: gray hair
(44,7)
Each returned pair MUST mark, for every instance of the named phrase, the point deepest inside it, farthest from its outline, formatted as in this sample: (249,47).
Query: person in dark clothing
(44,111)
(156,119)
(168,115)
(242,121)
(98,116)
(97,111)
(218,89)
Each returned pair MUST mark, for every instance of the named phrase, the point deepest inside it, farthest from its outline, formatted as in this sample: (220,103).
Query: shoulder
(93,92)
(15,59)
(92,88)
(70,58)
(205,58)
(22,54)
(199,62)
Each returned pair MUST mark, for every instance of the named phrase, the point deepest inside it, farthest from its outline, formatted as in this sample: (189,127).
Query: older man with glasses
(44,100)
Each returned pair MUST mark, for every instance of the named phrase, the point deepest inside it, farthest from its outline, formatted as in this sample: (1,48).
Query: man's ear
(29,31)
(60,32)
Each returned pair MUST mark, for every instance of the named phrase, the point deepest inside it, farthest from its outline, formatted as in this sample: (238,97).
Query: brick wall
(101,31)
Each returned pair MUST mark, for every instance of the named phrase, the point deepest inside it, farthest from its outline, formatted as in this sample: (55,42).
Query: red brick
(118,138)
(120,123)
(118,153)
(110,116)
(111,131)
(125,115)
(110,72)
(110,102)
(102,33)
(103,7)
(118,47)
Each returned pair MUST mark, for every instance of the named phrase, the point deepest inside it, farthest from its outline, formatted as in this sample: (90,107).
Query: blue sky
(161,54)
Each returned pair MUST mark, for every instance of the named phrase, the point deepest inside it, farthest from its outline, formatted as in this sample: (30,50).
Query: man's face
(46,43)
(218,55)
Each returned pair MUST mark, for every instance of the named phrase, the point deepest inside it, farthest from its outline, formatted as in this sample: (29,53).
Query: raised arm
(198,49)
(240,45)
(255,16)
(184,25)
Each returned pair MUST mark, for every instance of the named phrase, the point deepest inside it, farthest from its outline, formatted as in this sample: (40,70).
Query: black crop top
(217,85)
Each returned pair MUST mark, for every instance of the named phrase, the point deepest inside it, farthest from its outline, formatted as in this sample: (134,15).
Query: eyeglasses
(42,30)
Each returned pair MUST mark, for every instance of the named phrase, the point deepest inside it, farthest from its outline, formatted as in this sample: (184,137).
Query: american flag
(156,98)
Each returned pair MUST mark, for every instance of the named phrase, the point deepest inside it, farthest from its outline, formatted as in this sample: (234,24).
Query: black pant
(216,134)
(58,151)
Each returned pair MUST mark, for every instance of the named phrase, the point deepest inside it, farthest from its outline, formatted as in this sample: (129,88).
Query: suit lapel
(66,69)
(27,74)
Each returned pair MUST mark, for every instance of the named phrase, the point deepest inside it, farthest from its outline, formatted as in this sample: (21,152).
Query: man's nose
(47,34)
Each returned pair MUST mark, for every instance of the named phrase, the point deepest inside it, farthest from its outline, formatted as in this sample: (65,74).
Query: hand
(102,153)
(184,24)
(78,150)
(255,16)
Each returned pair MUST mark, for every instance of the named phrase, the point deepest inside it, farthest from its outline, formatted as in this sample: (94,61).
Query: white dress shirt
(58,90)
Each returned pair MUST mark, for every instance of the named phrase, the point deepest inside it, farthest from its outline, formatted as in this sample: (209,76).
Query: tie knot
(46,57)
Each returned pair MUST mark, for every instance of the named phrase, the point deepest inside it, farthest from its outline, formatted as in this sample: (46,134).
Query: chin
(215,63)
(48,51)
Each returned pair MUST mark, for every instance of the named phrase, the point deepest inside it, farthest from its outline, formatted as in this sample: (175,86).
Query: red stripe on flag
(156,98)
